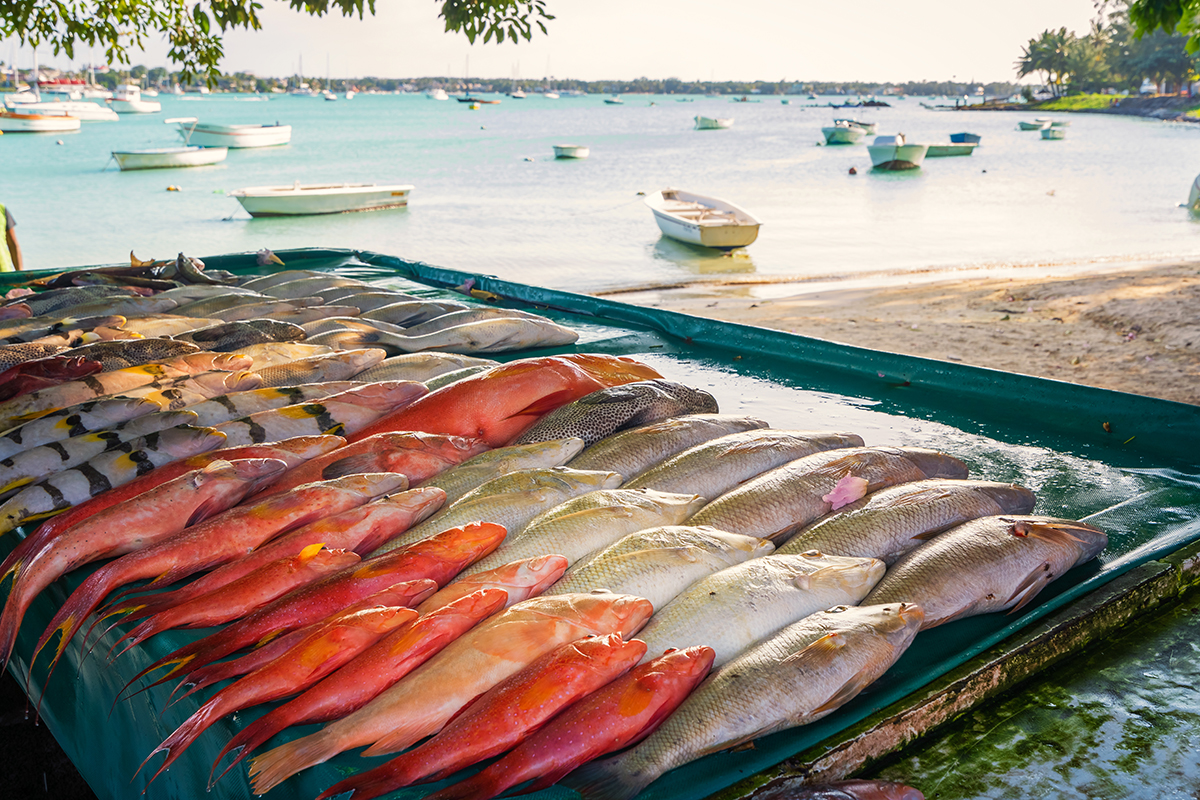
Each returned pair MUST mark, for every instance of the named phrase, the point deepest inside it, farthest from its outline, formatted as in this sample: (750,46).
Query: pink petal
(848,489)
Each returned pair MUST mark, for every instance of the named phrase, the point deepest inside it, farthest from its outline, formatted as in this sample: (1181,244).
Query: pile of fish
(568,561)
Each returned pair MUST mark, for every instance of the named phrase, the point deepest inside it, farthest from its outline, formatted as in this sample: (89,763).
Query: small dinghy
(337,198)
(699,219)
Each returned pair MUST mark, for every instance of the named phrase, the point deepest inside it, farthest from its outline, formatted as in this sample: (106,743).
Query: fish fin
(310,552)
(403,735)
(275,766)
(930,534)
(351,465)
(848,692)
(545,405)
(1053,532)
(849,488)
(829,643)
(1028,589)
(607,780)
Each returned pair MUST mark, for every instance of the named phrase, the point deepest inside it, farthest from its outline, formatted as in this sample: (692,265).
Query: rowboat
(166,157)
(11,122)
(951,149)
(1053,133)
(869,127)
(1036,125)
(894,153)
(614,101)
(1060,123)
(82,110)
(699,219)
(571,151)
(968,138)
(841,132)
(328,198)
(237,136)
(713,123)
(128,100)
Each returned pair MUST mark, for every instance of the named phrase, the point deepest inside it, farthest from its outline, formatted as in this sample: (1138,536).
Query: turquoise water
(490,198)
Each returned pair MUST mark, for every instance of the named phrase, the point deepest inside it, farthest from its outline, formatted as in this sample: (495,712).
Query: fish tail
(136,636)
(247,741)
(606,780)
(372,783)
(183,736)
(100,616)
(477,787)
(275,766)
(179,663)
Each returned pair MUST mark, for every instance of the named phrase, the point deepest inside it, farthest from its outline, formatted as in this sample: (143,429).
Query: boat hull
(841,134)
(170,157)
(713,123)
(237,136)
(79,109)
(37,123)
(703,221)
(292,201)
(965,138)
(135,106)
(571,151)
(897,156)
(869,127)
(1053,133)
(952,149)
(1036,125)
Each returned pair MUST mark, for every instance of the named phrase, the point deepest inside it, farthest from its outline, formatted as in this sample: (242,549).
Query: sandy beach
(1132,328)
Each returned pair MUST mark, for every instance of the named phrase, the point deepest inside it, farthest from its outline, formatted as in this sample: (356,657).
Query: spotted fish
(125,353)
(13,354)
(229,336)
(79,420)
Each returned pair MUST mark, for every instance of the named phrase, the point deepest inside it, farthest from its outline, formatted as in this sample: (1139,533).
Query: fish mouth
(911,614)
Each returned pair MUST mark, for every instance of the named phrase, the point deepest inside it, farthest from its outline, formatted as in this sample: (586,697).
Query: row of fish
(615,504)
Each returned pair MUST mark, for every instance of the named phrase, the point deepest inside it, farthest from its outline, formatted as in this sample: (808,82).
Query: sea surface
(490,198)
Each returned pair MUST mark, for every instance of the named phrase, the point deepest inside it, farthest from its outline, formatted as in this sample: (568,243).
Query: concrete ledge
(1148,588)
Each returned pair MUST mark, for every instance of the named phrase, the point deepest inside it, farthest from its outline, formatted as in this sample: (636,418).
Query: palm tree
(1048,54)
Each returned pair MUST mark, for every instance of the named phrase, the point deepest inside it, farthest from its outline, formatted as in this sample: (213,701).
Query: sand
(1133,329)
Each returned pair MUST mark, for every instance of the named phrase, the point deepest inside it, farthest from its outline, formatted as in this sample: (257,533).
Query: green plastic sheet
(1139,481)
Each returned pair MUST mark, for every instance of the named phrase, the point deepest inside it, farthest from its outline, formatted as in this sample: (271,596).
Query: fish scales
(270,354)
(447,378)
(631,452)
(607,411)
(227,407)
(13,354)
(333,367)
(456,482)
(420,367)
(455,318)
(77,420)
(484,336)
(302,316)
(123,353)
(413,312)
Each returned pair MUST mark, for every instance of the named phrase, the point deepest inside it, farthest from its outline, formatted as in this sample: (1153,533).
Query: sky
(769,40)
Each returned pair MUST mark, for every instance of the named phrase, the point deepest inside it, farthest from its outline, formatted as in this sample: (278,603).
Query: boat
(84,110)
(699,219)
(22,96)
(437,94)
(951,149)
(571,151)
(1193,202)
(841,132)
(517,94)
(713,123)
(1053,133)
(350,94)
(894,153)
(329,96)
(1036,125)
(869,127)
(614,101)
(550,95)
(128,100)
(1060,123)
(487,102)
(237,136)
(149,93)
(167,157)
(968,138)
(327,198)
(13,122)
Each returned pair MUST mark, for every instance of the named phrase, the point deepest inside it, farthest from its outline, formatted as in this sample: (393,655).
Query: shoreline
(1128,327)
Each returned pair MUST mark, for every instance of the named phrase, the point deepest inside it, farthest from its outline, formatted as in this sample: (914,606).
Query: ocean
(490,197)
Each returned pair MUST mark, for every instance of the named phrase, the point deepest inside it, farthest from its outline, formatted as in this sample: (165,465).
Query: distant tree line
(1110,55)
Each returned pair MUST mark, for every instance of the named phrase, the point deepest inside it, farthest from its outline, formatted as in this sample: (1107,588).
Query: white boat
(328,198)
(79,109)
(329,96)
(614,101)
(894,153)
(699,219)
(571,151)
(22,96)
(713,123)
(1053,133)
(13,122)
(1036,125)
(1193,202)
(1060,123)
(550,95)
(842,132)
(128,100)
(869,127)
(944,149)
(166,157)
(350,94)
(437,94)
(517,93)
(236,136)
(149,93)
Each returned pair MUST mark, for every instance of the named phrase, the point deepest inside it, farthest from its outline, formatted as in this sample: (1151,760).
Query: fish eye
(813,554)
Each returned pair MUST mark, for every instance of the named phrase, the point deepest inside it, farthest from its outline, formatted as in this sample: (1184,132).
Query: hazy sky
(689,39)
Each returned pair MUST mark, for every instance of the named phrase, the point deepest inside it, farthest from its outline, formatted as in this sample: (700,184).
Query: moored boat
(1036,125)
(966,138)
(237,136)
(869,127)
(329,198)
(11,122)
(614,101)
(894,153)
(842,132)
(713,123)
(437,94)
(128,100)
(952,149)
(703,220)
(1053,133)
(571,151)
(83,110)
(167,157)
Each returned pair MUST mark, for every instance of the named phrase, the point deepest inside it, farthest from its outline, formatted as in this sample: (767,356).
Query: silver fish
(203,307)
(260,283)
(67,423)
(456,482)
(413,312)
(455,318)
(194,292)
(888,523)
(303,316)
(226,407)
(447,378)
(332,367)
(631,452)
(164,325)
(54,300)
(259,310)
(271,354)
(306,287)
(604,412)
(365,301)
(989,564)
(485,336)
(420,367)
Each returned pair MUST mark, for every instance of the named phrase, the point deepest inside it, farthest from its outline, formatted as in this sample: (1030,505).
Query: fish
(192,271)
(456,318)
(125,353)
(501,403)
(159,514)
(212,543)
(631,452)
(616,716)
(302,316)
(422,568)
(998,563)
(29,376)
(32,330)
(66,423)
(15,311)
(325,324)
(659,563)
(34,464)
(371,672)
(504,715)
(425,700)
(609,410)
(340,414)
(271,354)
(131,306)
(44,303)
(889,523)
(734,608)
(447,378)
(306,286)
(417,456)
(319,654)
(511,500)
(782,501)
(260,283)
(856,789)
(230,336)
(161,326)
(120,464)
(485,336)
(314,369)
(178,393)
(336,293)
(589,523)
(413,312)
(13,354)
(235,405)
(340,339)
(421,366)
(201,307)
(478,470)
(715,467)
(803,673)
(266,309)
(190,293)
(250,592)
(365,301)
(519,580)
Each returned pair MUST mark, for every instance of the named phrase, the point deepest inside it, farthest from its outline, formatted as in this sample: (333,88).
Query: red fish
(30,376)
(162,513)
(418,456)
(497,405)
(521,580)
(321,652)
(504,716)
(360,681)
(620,715)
